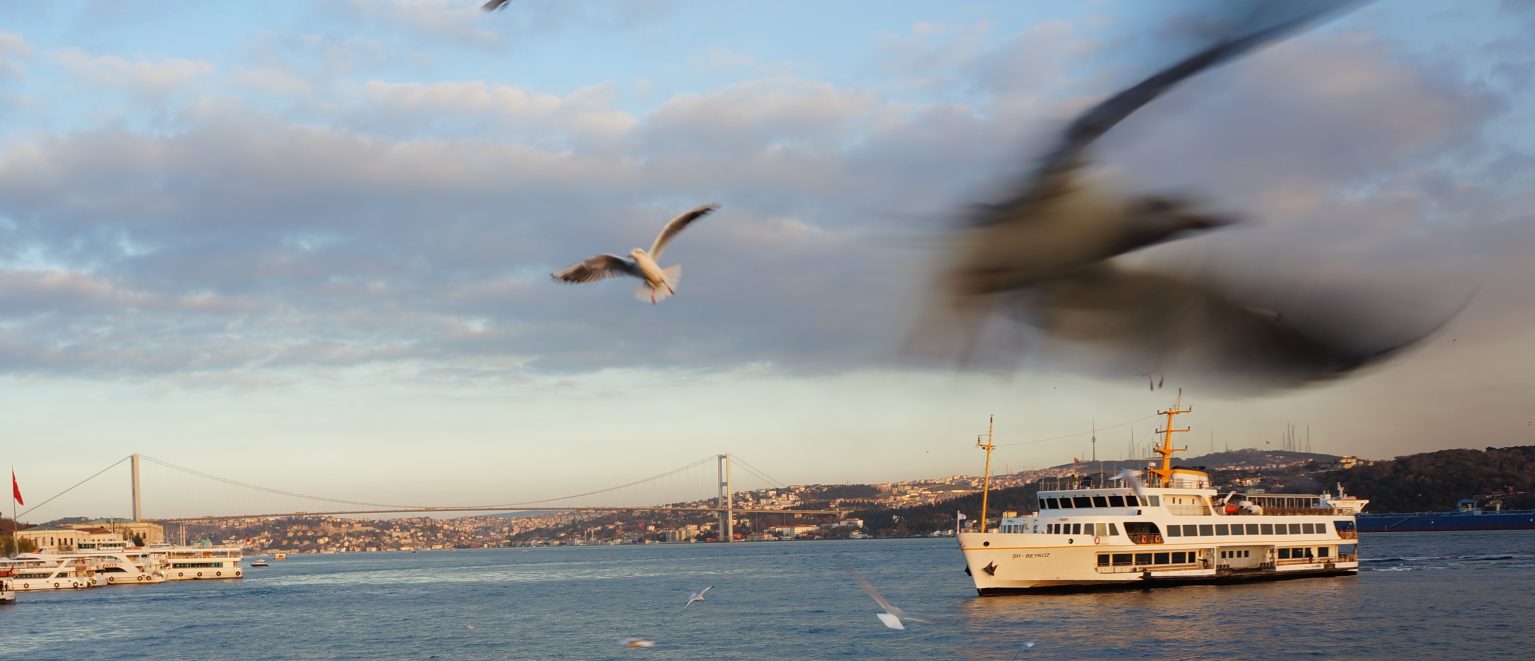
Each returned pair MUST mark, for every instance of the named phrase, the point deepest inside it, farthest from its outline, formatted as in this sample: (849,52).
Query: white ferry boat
(7,593)
(190,563)
(1174,530)
(32,572)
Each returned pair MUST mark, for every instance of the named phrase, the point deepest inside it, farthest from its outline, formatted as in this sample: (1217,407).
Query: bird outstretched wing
(676,226)
(1053,175)
(597,267)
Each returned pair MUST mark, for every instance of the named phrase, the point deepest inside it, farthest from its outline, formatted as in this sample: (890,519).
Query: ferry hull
(1520,520)
(1002,563)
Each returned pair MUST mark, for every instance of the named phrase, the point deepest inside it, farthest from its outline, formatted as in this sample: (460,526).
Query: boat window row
(1302,553)
(1236,553)
(1095,529)
(1134,559)
(1106,500)
(1219,529)
(196,565)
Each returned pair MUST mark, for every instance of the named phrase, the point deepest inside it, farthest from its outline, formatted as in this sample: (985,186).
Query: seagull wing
(494,5)
(705,591)
(597,267)
(676,226)
(1054,174)
(874,593)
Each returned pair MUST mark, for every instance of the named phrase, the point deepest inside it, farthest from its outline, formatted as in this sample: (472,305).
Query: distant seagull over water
(892,616)
(697,596)
(634,643)
(659,283)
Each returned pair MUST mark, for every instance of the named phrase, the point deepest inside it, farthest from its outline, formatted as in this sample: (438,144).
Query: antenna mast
(986,477)
(1165,473)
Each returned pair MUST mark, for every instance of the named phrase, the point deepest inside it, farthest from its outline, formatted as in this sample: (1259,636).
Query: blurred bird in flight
(1048,255)
(697,597)
(659,283)
(893,616)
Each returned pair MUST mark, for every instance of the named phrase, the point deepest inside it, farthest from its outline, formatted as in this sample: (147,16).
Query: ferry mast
(986,476)
(1165,473)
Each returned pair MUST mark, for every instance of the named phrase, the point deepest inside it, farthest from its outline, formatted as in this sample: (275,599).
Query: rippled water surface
(1420,595)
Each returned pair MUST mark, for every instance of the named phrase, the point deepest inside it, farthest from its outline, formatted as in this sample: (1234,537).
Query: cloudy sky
(306,245)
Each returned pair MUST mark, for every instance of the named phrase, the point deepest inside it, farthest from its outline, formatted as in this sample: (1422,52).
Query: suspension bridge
(692,488)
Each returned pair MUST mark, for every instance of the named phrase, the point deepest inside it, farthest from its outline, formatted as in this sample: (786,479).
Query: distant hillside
(1434,481)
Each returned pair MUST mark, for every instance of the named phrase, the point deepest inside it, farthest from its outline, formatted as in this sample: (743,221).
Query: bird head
(1157,218)
(636,252)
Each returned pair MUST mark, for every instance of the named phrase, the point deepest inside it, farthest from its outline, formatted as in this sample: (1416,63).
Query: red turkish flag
(16,489)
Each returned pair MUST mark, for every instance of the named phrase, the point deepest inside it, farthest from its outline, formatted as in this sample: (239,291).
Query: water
(1448,595)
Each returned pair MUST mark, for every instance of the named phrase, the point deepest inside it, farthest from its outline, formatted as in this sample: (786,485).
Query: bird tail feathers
(648,294)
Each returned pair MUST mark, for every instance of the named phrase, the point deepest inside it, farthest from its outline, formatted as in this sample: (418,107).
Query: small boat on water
(1175,529)
(258,562)
(7,593)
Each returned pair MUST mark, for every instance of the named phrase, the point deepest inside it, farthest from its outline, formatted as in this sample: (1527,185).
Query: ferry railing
(1292,511)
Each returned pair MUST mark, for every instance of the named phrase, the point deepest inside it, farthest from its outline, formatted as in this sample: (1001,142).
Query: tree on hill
(1436,481)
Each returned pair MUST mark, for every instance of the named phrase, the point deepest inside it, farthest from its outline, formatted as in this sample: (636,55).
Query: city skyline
(308,245)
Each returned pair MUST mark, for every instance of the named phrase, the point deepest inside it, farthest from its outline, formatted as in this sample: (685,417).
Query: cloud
(14,48)
(153,79)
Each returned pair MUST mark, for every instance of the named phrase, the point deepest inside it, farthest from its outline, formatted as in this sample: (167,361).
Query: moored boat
(1175,529)
(1468,515)
(33,572)
(190,563)
(7,593)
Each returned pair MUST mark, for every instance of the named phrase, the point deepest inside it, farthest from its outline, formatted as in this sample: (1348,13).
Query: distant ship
(1468,515)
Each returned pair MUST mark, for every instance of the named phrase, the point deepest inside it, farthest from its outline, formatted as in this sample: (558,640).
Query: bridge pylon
(726,500)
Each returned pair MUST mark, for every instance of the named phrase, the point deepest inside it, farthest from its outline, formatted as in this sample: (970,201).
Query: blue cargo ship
(1467,516)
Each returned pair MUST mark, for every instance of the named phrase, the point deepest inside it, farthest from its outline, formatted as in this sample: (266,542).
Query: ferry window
(1222,529)
(1113,530)
(1162,559)
(1179,557)
(1236,528)
(1321,551)
(1076,528)
(1100,501)
(1252,528)
(1174,531)
(1143,558)
(1156,501)
(1103,559)
(1295,529)
(1267,528)
(1081,501)
(1284,554)
(1206,529)
(1121,559)
(1308,528)
(1101,529)
(1190,530)
(1116,500)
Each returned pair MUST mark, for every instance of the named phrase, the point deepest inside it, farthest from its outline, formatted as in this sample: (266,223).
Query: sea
(1425,595)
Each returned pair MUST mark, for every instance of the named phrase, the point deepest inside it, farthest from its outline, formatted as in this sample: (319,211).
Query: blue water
(1444,595)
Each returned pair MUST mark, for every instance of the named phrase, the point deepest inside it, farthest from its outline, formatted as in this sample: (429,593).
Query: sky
(307,245)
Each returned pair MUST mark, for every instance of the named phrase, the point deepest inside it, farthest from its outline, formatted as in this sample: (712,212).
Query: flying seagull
(659,283)
(635,643)
(892,616)
(495,5)
(697,596)
(1049,254)
(1132,478)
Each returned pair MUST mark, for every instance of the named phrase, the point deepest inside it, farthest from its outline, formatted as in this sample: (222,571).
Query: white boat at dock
(1176,529)
(33,572)
(7,593)
(190,563)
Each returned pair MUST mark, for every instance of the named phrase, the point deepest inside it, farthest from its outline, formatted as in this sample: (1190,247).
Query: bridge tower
(137,505)
(726,500)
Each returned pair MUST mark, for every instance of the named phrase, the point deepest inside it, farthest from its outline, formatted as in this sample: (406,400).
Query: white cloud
(150,78)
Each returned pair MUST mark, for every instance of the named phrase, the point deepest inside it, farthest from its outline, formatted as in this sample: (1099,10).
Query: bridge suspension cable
(761,475)
(669,473)
(56,496)
(258,487)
